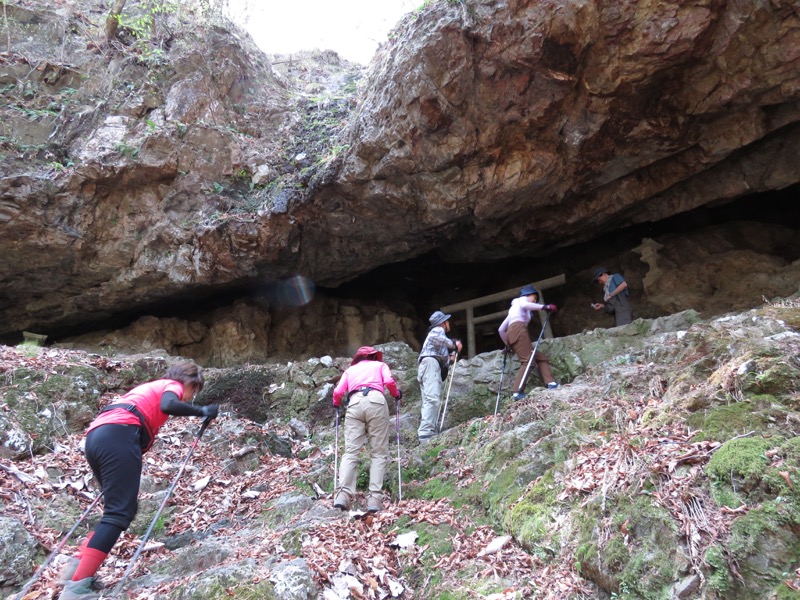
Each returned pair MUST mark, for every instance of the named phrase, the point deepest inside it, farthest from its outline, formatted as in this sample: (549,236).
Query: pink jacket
(367,373)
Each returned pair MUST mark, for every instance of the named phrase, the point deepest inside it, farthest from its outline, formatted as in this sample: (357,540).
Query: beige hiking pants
(367,418)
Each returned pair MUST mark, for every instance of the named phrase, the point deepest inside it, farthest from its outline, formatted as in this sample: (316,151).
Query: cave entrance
(417,287)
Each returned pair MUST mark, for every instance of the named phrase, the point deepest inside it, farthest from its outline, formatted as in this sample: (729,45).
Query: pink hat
(365,352)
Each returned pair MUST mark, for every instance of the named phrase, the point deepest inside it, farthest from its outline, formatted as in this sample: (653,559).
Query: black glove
(210,411)
(399,395)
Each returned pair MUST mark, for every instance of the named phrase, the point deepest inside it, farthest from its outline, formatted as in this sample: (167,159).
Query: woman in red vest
(115,442)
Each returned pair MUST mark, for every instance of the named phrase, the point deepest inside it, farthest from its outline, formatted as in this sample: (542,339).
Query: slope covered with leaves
(667,468)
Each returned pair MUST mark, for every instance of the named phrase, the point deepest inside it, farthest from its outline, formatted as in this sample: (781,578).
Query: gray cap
(438,318)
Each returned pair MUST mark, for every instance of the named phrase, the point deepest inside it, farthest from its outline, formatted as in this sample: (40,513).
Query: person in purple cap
(433,364)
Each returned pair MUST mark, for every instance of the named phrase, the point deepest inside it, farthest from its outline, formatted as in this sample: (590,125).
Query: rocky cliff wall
(188,164)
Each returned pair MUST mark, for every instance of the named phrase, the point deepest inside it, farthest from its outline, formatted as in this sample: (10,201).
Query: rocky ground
(666,467)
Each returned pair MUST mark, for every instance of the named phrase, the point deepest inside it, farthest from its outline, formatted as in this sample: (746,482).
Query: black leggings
(115,456)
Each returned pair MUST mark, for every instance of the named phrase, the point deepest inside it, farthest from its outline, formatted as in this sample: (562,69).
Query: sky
(353,28)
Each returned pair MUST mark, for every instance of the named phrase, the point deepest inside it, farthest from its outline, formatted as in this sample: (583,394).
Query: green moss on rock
(531,520)
(736,468)
(721,423)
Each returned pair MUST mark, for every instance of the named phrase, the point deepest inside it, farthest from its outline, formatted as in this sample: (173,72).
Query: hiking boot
(374,503)
(342,501)
(83,589)
(68,570)
(552,385)
(517,396)
(424,438)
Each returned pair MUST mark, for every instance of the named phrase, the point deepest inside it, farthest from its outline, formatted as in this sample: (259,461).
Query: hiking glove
(210,411)
(550,307)
(336,404)
(399,395)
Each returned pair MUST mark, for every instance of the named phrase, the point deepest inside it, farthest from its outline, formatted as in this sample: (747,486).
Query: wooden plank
(512,293)
(492,317)
(470,332)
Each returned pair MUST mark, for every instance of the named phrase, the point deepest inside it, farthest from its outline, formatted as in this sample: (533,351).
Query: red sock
(91,559)
(84,544)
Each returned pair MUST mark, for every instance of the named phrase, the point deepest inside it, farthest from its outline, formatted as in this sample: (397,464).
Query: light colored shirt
(520,312)
(367,373)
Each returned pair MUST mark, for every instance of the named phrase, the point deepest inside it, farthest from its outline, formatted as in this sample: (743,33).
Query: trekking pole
(447,396)
(397,429)
(336,454)
(119,586)
(500,385)
(57,549)
(533,356)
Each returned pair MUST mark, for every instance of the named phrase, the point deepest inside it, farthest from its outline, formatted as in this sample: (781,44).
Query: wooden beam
(470,305)
(512,293)
(470,332)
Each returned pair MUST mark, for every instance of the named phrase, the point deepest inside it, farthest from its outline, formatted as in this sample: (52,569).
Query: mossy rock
(59,512)
(531,520)
(724,422)
(642,563)
(225,582)
(736,468)
(765,545)
(147,511)
(777,376)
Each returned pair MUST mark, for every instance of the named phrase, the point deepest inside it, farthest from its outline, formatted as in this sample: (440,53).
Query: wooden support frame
(469,307)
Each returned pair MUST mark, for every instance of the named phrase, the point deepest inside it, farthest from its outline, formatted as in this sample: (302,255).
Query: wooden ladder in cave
(469,307)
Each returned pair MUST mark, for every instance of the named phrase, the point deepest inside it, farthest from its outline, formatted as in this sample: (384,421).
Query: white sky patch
(353,28)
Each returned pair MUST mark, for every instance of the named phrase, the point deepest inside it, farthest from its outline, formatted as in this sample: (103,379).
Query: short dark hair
(187,373)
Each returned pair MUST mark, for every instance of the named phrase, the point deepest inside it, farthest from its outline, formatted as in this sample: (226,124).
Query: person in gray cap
(616,297)
(433,364)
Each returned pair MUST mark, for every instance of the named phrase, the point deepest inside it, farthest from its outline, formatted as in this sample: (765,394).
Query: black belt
(145,437)
(364,390)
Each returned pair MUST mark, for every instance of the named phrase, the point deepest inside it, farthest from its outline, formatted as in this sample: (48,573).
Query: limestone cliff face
(134,174)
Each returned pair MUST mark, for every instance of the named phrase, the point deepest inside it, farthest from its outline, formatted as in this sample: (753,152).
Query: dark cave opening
(428,282)
(417,287)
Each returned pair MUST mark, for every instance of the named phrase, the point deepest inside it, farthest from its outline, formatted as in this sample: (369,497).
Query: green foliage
(126,150)
(142,27)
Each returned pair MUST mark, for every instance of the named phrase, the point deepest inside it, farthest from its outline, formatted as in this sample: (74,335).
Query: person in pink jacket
(367,418)
(514,333)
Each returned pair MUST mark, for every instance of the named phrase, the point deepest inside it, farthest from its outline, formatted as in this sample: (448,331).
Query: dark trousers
(620,307)
(115,456)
